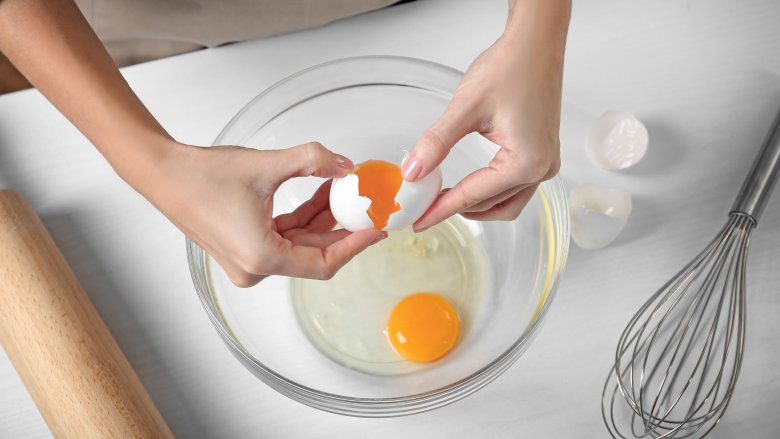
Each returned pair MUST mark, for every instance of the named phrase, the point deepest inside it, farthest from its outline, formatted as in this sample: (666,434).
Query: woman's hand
(511,94)
(222,198)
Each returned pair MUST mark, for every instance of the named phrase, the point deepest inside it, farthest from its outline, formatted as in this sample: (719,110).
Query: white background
(704,76)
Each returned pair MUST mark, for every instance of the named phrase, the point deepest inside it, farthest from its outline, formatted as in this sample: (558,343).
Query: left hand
(222,198)
(511,95)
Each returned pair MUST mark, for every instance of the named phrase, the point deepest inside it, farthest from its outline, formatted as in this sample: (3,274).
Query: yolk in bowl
(379,181)
(423,327)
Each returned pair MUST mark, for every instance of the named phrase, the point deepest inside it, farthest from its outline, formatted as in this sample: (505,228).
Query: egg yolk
(423,327)
(379,181)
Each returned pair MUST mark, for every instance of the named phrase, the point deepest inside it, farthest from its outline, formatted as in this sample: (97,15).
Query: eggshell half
(415,198)
(617,140)
(348,207)
(598,214)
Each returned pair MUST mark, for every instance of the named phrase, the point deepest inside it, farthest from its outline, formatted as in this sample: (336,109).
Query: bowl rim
(390,406)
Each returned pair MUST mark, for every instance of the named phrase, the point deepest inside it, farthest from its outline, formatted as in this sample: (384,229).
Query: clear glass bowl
(373,108)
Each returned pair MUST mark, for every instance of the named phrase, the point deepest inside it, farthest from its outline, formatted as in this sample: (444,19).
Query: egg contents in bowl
(423,327)
(400,304)
(375,195)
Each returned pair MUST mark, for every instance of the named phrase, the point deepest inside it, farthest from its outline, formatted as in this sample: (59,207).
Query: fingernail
(411,169)
(421,229)
(344,162)
(379,238)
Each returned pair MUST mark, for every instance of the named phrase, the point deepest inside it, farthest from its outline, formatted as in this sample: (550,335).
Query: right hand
(511,95)
(222,198)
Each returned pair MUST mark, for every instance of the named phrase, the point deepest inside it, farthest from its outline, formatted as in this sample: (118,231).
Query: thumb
(436,142)
(311,159)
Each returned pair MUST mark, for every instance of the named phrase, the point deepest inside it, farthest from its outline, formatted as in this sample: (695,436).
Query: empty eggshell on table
(598,214)
(617,140)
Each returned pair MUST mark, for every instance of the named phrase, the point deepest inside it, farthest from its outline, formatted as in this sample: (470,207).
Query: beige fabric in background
(141,30)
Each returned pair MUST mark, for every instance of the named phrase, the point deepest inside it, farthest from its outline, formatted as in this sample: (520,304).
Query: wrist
(547,20)
(138,163)
(534,39)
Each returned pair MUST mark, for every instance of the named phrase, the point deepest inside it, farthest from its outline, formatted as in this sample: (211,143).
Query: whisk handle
(763,175)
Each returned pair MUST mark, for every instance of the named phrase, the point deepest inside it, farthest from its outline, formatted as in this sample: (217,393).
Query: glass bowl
(374,107)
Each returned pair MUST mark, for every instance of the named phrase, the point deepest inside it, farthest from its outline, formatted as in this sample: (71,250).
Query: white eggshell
(348,207)
(598,214)
(617,140)
(415,198)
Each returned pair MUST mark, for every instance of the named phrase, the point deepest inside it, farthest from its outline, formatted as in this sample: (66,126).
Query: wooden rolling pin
(74,370)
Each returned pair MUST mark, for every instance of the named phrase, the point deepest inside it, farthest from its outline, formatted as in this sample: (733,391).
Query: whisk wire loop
(678,360)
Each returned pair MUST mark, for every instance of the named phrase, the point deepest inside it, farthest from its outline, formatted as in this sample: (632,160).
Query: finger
(506,210)
(309,159)
(320,240)
(437,141)
(323,222)
(480,185)
(318,263)
(492,201)
(306,212)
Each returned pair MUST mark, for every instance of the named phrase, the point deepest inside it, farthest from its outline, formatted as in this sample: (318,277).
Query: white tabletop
(703,75)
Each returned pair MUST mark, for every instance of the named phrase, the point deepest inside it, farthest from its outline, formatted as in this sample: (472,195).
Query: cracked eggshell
(348,207)
(598,214)
(617,140)
(415,198)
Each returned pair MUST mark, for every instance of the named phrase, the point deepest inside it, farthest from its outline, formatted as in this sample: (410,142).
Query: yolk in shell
(423,327)
(379,181)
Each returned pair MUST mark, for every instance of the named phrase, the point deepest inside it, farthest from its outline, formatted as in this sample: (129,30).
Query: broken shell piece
(617,140)
(348,207)
(598,214)
(415,198)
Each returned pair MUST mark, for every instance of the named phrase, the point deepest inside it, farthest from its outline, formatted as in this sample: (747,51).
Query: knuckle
(553,170)
(535,167)
(467,199)
(242,280)
(510,164)
(325,273)
(507,212)
(329,273)
(324,268)
(312,151)
(513,212)
(433,142)
(531,166)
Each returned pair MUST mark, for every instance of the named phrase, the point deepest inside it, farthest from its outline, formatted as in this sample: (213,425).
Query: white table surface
(705,77)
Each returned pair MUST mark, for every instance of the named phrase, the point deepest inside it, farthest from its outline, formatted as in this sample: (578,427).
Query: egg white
(346,317)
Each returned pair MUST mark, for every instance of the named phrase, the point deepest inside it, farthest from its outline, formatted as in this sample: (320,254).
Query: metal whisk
(678,360)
